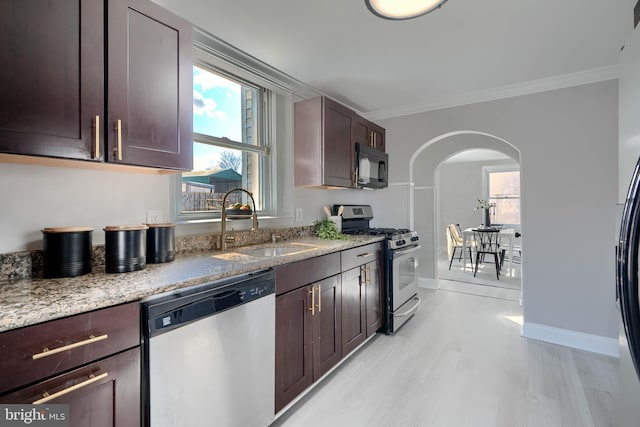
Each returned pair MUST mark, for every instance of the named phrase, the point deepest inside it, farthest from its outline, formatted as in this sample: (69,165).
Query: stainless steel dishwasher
(209,354)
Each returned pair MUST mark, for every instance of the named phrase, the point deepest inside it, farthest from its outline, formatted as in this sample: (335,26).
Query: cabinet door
(353,311)
(368,133)
(374,302)
(339,150)
(150,90)
(51,79)
(377,135)
(360,131)
(103,394)
(327,332)
(294,368)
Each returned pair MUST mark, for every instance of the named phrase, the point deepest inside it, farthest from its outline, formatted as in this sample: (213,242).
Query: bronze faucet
(223,228)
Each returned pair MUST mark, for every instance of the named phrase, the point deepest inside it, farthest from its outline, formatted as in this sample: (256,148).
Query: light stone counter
(30,301)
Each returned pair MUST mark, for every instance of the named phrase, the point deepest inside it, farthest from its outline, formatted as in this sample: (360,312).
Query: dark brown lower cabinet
(308,341)
(294,357)
(354,328)
(327,342)
(90,361)
(374,297)
(105,393)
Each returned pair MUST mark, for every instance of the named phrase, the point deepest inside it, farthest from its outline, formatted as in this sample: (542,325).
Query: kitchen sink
(274,251)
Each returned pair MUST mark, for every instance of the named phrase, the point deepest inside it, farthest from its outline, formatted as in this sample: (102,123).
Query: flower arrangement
(484,204)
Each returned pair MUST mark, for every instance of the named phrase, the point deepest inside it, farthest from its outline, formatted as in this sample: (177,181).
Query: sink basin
(273,251)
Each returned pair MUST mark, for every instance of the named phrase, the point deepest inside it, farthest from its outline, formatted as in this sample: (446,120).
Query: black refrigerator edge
(629,305)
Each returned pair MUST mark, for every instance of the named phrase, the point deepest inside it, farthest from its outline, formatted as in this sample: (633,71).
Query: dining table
(508,234)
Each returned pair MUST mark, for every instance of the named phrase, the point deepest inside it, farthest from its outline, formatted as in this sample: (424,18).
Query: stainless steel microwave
(372,167)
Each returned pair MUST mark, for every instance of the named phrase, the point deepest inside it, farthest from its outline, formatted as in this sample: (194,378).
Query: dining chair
(454,240)
(488,243)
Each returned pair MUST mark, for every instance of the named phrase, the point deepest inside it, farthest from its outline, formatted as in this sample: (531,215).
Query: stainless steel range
(400,263)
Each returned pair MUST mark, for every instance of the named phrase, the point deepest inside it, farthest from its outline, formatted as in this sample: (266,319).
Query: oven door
(404,265)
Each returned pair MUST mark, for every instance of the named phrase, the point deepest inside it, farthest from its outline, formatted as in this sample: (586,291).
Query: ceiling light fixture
(402,9)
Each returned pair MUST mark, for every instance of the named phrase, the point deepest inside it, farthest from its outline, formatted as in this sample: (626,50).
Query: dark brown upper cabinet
(325,137)
(150,86)
(324,150)
(61,64)
(52,78)
(369,133)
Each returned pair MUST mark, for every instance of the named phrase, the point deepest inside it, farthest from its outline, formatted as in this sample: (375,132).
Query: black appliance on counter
(400,277)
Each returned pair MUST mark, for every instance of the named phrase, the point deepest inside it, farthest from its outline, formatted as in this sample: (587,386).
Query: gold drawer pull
(46,352)
(313,301)
(97,138)
(365,255)
(119,139)
(319,298)
(92,379)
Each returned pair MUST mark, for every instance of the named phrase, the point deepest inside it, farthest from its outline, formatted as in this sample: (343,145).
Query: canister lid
(161,225)
(66,229)
(132,227)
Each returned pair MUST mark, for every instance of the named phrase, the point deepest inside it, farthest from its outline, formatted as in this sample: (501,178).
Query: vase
(486,221)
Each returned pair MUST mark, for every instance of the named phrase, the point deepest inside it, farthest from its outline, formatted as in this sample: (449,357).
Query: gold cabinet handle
(92,379)
(119,139)
(96,151)
(46,352)
(313,302)
(319,298)
(365,255)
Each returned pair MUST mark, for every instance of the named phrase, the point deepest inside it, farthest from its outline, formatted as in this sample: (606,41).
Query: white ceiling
(467,51)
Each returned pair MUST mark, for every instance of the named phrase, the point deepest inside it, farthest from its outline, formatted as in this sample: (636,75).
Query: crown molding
(217,47)
(535,86)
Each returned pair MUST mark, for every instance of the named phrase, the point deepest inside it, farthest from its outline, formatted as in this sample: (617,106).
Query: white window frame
(209,61)
(486,170)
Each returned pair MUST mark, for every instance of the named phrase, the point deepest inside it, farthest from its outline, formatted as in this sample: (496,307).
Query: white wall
(567,142)
(35,197)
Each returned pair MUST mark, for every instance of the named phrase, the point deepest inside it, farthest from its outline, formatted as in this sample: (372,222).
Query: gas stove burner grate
(388,232)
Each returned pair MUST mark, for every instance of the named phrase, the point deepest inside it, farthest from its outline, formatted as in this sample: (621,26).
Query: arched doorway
(423,195)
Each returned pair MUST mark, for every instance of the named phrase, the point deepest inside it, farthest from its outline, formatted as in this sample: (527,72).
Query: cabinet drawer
(40,351)
(296,274)
(361,255)
(103,393)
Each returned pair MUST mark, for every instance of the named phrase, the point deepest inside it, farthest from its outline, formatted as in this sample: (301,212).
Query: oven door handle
(411,310)
(400,252)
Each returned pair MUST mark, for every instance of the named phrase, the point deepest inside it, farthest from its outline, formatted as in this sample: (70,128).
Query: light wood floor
(460,361)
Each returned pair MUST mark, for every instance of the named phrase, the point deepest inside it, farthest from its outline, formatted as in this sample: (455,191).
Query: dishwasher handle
(169,312)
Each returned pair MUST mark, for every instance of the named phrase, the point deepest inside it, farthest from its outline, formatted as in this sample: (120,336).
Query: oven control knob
(400,242)
(414,239)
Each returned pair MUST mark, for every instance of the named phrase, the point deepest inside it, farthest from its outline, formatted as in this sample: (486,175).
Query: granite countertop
(30,301)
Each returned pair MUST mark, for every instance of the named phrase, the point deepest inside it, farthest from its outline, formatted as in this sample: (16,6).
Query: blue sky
(216,111)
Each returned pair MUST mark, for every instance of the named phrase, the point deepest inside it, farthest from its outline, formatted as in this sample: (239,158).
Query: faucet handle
(275,237)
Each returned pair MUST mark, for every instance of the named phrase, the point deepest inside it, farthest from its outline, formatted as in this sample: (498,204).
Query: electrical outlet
(298,215)
(154,217)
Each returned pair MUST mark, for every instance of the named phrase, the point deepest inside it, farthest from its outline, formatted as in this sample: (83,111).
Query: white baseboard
(573,339)
(424,282)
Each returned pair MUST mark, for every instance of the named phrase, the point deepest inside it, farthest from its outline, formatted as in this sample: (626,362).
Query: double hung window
(230,143)
(503,189)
